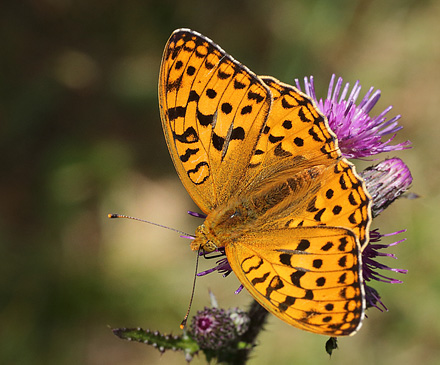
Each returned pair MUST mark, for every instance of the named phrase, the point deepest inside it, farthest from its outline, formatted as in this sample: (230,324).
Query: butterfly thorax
(224,224)
(229,221)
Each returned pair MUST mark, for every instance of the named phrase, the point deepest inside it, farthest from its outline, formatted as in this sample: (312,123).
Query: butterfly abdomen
(247,212)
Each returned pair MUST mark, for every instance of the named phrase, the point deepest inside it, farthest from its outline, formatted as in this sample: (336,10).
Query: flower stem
(258,317)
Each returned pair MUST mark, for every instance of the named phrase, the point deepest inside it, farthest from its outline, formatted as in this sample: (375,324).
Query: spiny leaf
(160,341)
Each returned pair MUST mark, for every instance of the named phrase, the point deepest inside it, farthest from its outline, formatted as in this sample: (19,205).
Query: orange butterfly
(258,157)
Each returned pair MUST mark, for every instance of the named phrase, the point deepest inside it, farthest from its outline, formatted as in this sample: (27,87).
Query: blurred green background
(81,137)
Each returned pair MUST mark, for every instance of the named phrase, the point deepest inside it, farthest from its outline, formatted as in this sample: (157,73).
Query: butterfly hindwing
(312,195)
(295,131)
(308,277)
(298,149)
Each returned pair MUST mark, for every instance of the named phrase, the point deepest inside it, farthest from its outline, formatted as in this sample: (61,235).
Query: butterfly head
(202,240)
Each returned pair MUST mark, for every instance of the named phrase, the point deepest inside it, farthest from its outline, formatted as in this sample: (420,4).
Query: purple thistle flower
(385,182)
(240,318)
(213,328)
(196,214)
(222,266)
(359,135)
(370,267)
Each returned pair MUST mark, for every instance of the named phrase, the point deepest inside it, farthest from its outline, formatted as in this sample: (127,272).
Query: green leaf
(160,341)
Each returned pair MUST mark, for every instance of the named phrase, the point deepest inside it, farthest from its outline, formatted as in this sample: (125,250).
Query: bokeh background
(81,137)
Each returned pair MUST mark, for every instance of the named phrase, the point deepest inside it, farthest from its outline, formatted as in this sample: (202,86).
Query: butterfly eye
(209,246)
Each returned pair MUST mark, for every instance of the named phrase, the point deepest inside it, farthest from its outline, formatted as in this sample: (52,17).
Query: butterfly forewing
(213,110)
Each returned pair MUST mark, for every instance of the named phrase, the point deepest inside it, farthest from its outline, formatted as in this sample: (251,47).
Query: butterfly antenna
(185,319)
(145,221)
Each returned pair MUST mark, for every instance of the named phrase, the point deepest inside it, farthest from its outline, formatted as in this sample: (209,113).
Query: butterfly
(259,159)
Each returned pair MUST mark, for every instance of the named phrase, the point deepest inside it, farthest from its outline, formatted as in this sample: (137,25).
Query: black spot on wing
(289,301)
(217,142)
(238,133)
(299,142)
(223,75)
(303,245)
(246,110)
(343,183)
(255,96)
(174,85)
(226,108)
(343,244)
(285,104)
(287,124)
(318,215)
(314,135)
(193,96)
(296,278)
(352,218)
(174,113)
(327,246)
(199,54)
(275,284)
(285,259)
(238,85)
(342,261)
(352,199)
(211,93)
(190,71)
(189,136)
(188,153)
(209,65)
(317,263)
(274,139)
(261,279)
(203,119)
(178,65)
(302,116)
